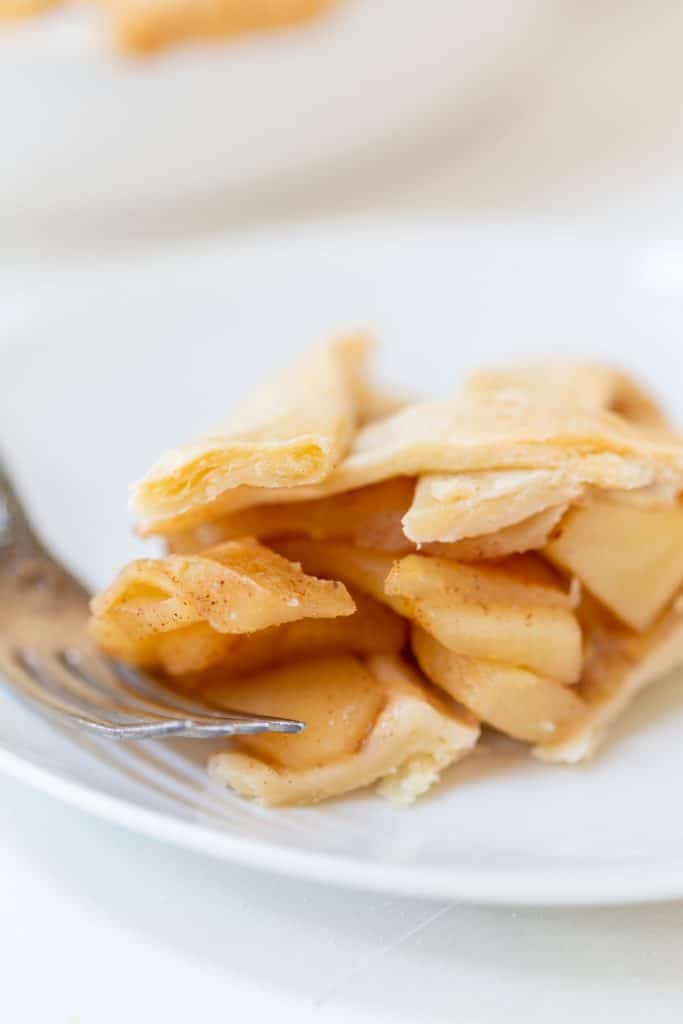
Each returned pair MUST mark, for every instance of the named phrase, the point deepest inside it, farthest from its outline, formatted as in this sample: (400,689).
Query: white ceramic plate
(90,138)
(113,365)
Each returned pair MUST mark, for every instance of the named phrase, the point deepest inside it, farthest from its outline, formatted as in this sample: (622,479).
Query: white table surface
(102,926)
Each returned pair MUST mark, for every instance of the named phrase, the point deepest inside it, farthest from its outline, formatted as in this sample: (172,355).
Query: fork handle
(16,533)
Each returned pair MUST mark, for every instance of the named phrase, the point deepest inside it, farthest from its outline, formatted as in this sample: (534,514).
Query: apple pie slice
(512,558)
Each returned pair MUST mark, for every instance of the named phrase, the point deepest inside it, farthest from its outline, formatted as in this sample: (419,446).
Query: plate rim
(647,881)
(611,887)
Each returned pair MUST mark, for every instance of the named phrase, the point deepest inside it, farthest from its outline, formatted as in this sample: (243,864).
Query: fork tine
(144,685)
(114,677)
(42,684)
(32,688)
(64,688)
(94,673)
(40,595)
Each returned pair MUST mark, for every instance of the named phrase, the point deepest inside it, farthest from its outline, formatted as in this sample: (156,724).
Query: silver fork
(49,660)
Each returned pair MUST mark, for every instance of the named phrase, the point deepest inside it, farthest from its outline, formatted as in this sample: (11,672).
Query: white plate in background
(114,364)
(89,137)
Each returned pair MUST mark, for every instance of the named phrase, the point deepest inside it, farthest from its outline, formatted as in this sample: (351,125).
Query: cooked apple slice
(619,664)
(517,612)
(514,616)
(524,580)
(192,649)
(629,556)
(544,640)
(336,696)
(360,567)
(521,704)
(369,517)
(365,721)
(372,629)
(238,587)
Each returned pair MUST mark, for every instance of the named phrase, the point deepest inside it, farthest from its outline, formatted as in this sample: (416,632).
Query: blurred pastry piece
(141,26)
(11,9)
(367,720)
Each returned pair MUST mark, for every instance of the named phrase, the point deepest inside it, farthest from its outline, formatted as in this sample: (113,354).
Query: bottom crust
(414,738)
(619,665)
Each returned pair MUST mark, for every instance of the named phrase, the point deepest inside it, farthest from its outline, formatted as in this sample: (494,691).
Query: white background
(101,926)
